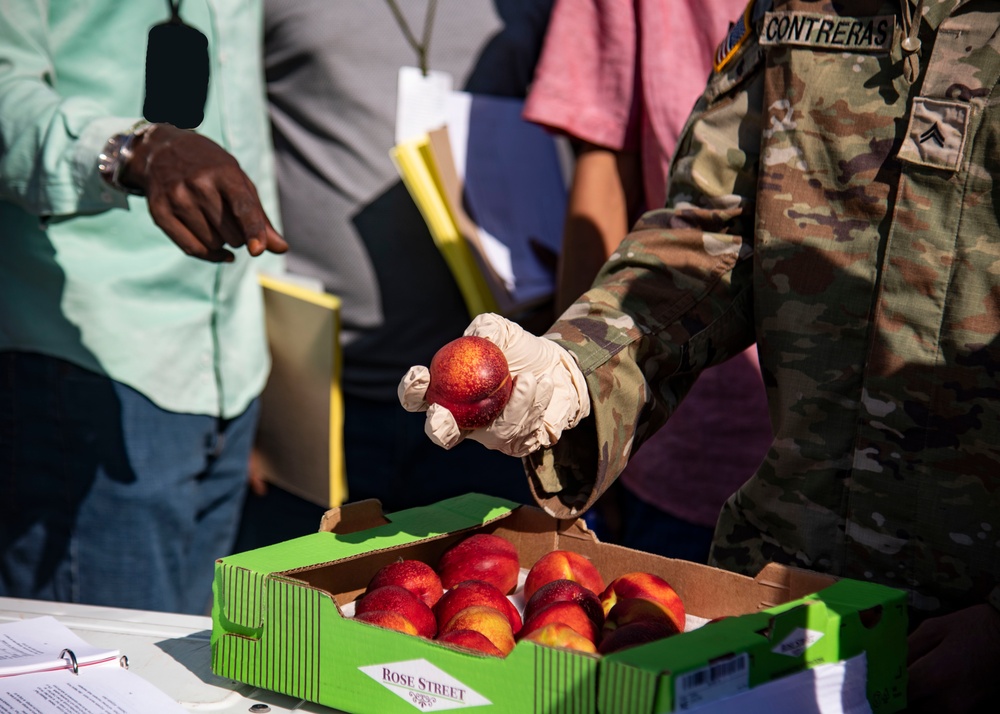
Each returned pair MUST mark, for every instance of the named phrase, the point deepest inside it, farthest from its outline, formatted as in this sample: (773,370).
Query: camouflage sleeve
(673,299)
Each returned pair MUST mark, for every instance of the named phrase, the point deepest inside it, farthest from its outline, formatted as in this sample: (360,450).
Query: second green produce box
(279,623)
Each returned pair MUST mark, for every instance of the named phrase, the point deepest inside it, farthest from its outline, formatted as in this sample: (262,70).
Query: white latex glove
(549,395)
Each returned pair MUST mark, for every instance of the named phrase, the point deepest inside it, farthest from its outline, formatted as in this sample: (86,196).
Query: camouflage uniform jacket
(836,202)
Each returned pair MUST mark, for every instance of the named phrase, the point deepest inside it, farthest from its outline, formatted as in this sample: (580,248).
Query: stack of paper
(45,667)
(492,189)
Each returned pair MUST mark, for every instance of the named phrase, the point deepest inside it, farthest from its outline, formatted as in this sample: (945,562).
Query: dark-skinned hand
(954,661)
(199,195)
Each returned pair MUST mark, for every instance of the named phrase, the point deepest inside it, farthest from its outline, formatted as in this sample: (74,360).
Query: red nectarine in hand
(470,378)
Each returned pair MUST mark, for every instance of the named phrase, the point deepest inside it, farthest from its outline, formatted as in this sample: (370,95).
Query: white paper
(36,644)
(421,102)
(837,688)
(513,188)
(459,105)
(96,690)
(36,676)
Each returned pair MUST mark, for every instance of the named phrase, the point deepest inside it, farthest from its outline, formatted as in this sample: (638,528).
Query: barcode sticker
(715,681)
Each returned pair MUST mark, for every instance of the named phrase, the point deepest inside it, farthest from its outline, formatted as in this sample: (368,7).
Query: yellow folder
(415,162)
(300,439)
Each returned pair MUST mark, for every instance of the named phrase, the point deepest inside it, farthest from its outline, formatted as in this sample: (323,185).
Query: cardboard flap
(577,528)
(782,583)
(354,517)
(812,614)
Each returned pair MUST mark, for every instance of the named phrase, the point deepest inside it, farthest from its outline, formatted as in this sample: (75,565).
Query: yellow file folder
(300,439)
(417,167)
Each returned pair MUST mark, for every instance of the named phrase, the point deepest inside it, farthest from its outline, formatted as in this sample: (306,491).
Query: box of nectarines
(480,602)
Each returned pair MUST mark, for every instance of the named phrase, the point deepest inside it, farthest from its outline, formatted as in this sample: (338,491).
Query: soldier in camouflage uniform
(833,197)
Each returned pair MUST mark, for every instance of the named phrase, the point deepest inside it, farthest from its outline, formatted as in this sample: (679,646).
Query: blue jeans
(107,499)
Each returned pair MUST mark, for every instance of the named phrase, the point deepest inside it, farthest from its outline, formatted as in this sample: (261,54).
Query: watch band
(116,154)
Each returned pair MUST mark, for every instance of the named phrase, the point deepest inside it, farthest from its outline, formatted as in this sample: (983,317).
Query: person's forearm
(603,198)
(48,164)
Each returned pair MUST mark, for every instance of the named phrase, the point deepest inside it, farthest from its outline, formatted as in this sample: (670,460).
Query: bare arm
(604,197)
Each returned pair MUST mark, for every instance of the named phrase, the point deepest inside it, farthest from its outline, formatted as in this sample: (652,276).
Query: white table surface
(173,652)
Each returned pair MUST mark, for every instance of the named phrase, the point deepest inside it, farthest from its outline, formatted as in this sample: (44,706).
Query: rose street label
(424,686)
(806,29)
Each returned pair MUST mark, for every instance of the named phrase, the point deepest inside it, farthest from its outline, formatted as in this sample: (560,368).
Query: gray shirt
(332,69)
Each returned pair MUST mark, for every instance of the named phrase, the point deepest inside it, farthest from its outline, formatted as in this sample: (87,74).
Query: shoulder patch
(739,33)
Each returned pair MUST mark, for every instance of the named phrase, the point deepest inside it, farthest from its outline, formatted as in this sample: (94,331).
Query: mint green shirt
(85,274)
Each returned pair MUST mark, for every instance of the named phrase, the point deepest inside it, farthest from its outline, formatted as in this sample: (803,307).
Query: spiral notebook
(45,667)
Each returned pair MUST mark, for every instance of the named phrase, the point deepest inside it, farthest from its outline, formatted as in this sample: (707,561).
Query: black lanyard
(177,72)
(423,47)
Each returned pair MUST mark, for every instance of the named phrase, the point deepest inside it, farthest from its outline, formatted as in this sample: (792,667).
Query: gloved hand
(549,395)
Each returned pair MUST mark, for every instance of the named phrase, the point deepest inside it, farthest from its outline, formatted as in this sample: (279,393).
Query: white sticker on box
(797,642)
(425,686)
(720,679)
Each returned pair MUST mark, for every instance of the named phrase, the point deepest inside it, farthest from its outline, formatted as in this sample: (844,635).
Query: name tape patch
(806,29)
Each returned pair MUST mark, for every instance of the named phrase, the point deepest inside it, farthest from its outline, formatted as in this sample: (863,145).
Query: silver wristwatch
(116,154)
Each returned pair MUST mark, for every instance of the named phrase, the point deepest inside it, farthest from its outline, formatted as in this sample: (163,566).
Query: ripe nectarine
(481,556)
(387,619)
(477,592)
(565,612)
(635,633)
(470,378)
(556,634)
(648,586)
(486,620)
(398,599)
(415,575)
(563,565)
(638,609)
(565,590)
(470,639)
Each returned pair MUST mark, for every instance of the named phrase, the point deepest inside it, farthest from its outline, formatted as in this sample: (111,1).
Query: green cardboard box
(840,621)
(279,623)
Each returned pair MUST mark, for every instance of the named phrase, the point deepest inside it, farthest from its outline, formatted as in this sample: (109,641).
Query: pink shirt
(591,83)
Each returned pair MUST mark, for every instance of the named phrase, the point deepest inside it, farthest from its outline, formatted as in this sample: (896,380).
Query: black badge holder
(177,72)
